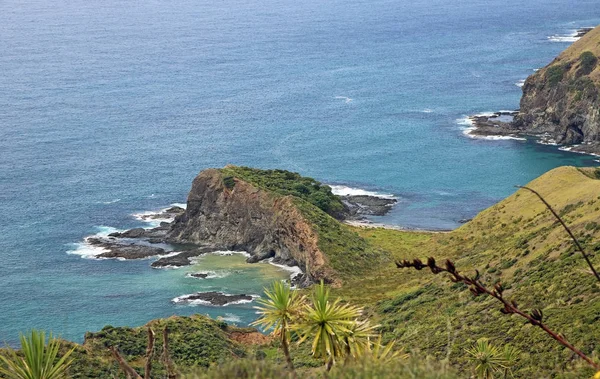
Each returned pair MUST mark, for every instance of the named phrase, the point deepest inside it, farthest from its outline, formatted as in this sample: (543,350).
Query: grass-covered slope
(516,242)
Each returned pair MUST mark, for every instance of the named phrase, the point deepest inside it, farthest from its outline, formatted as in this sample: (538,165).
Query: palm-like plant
(380,352)
(39,361)
(510,354)
(358,339)
(487,357)
(278,311)
(328,324)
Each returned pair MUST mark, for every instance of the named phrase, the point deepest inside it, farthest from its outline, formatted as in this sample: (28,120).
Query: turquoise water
(111,108)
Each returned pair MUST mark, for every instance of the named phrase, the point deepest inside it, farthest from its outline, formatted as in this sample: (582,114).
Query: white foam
(340,190)
(496,138)
(183,299)
(89,251)
(108,202)
(520,83)
(571,37)
(293,270)
(231,318)
(229,253)
(469,126)
(572,147)
(427,110)
(148,216)
(345,98)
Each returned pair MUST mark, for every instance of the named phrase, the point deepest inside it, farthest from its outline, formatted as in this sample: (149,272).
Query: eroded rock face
(560,102)
(247,218)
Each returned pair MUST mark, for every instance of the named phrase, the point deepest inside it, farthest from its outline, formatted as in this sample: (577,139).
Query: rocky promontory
(560,103)
(277,215)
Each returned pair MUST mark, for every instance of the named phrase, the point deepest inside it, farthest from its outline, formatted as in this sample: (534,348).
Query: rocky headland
(560,102)
(270,214)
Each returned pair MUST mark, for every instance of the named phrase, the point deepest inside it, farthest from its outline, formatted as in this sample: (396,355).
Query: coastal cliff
(271,214)
(560,102)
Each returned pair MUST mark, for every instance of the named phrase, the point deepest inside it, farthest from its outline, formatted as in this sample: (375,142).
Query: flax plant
(38,362)
(328,324)
(281,308)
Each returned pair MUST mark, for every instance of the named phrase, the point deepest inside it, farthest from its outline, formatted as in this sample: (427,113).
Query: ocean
(109,109)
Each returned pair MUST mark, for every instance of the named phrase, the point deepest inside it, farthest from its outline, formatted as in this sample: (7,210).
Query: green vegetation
(36,359)
(489,360)
(588,62)
(441,319)
(362,369)
(279,311)
(555,74)
(516,242)
(348,253)
(288,183)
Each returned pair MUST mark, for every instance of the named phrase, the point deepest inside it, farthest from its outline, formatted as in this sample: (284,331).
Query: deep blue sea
(110,108)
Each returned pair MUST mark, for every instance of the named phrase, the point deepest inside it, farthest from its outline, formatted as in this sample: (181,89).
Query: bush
(588,62)
(555,74)
(285,183)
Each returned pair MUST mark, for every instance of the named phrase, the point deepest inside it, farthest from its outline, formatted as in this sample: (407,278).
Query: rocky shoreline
(496,126)
(156,242)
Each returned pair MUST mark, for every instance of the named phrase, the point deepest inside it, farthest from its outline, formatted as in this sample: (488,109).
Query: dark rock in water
(301,281)
(464,220)
(183,258)
(583,31)
(199,275)
(166,214)
(131,251)
(133,233)
(214,298)
(365,205)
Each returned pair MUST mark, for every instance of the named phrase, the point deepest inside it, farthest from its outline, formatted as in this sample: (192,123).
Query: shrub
(555,74)
(588,62)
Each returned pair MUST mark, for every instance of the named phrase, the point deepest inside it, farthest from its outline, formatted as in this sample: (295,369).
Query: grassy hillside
(590,42)
(516,242)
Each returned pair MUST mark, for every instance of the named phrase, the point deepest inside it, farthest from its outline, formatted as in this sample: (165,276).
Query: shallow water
(110,109)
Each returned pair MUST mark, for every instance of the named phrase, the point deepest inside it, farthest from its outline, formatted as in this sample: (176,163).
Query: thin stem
(127,369)
(166,357)
(577,244)
(535,317)
(149,354)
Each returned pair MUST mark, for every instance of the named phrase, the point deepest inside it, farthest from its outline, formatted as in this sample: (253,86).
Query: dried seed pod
(450,266)
(431,262)
(499,288)
(417,264)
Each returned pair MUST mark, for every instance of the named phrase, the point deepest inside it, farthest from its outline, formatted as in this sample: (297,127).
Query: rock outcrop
(560,102)
(230,213)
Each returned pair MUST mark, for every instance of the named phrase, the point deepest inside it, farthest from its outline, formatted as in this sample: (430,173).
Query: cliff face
(230,213)
(561,101)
